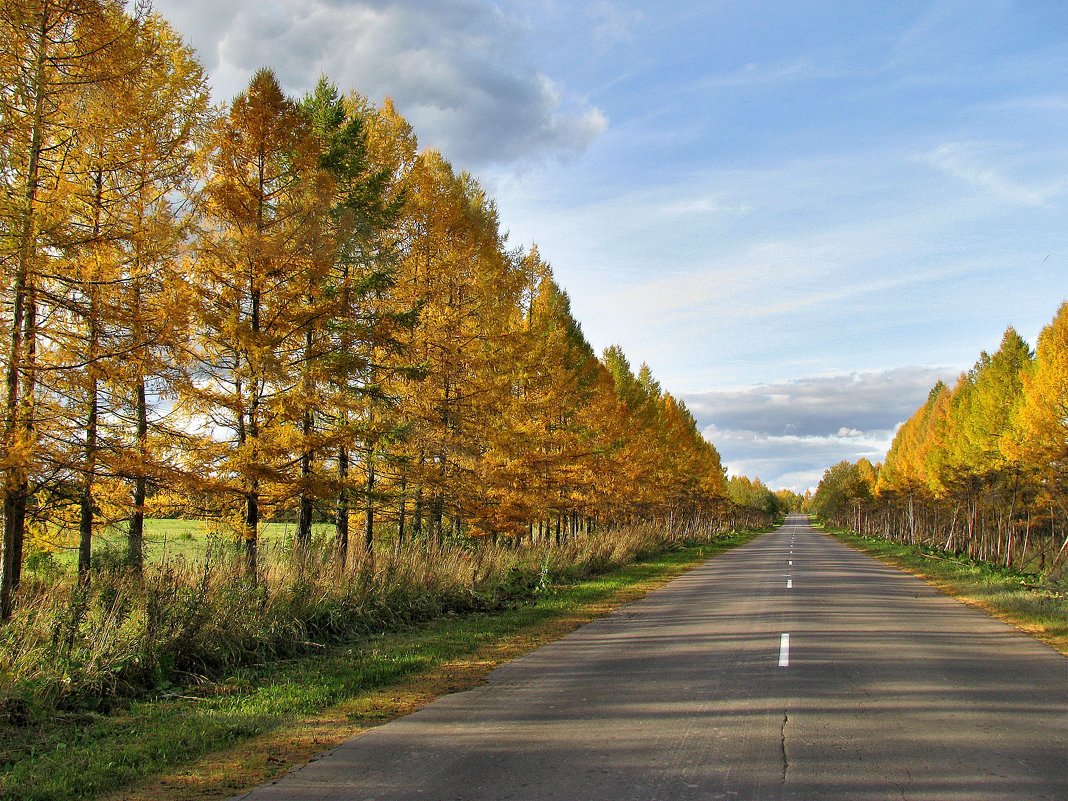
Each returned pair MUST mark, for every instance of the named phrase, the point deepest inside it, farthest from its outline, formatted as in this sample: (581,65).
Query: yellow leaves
(338,319)
(965,432)
(1038,437)
(49,537)
(1000,436)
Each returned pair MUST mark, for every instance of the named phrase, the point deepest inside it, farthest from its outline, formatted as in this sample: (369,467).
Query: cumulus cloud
(789,433)
(791,461)
(455,68)
(832,405)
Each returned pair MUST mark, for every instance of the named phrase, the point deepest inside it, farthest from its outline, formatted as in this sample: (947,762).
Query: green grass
(186,539)
(83,756)
(1018,598)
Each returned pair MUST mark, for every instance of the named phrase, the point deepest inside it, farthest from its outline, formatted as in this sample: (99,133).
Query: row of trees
(981,468)
(284,310)
(751,495)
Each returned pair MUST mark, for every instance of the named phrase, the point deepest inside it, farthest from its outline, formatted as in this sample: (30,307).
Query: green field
(187,539)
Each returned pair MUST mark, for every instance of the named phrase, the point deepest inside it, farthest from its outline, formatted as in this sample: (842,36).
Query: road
(883,689)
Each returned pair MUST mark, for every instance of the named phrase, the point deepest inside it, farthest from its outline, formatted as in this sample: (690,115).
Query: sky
(799,215)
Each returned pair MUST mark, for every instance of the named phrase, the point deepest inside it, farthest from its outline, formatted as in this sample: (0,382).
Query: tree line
(283,309)
(980,469)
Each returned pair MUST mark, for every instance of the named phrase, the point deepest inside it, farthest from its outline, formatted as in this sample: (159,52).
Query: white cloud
(703,206)
(843,406)
(791,461)
(986,165)
(789,433)
(755,74)
(613,24)
(455,68)
(794,463)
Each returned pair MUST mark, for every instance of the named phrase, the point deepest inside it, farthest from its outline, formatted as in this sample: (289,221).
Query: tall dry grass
(72,646)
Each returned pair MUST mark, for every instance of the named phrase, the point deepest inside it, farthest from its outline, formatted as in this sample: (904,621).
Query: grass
(1019,599)
(212,740)
(184,539)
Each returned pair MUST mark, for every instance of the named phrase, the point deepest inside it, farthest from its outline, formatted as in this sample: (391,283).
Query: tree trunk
(304,515)
(341,520)
(401,513)
(417,513)
(369,507)
(135,540)
(252,524)
(86,503)
(19,377)
(437,511)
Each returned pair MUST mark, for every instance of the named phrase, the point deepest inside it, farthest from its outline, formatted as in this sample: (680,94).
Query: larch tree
(640,465)
(537,461)
(455,272)
(384,311)
(1039,432)
(52,53)
(112,307)
(168,114)
(997,389)
(1038,436)
(346,412)
(258,255)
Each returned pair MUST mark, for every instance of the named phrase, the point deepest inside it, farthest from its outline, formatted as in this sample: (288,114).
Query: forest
(980,469)
(282,311)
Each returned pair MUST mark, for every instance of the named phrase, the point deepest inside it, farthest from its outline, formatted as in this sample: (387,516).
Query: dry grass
(84,646)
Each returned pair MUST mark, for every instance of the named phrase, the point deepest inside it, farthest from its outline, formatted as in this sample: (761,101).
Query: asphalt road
(884,689)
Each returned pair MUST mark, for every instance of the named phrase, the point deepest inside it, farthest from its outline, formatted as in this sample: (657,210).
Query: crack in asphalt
(782,732)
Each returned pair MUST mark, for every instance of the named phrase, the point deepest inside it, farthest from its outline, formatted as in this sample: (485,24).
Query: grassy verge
(1017,598)
(214,740)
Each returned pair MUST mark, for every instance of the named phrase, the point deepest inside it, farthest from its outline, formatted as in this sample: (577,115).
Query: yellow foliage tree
(259,257)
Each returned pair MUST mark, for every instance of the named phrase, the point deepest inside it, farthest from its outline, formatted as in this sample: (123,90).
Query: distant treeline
(283,310)
(981,469)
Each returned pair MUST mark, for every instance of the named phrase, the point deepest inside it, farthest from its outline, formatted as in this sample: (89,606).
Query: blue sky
(799,214)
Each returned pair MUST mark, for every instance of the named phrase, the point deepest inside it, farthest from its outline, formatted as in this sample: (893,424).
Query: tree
(346,357)
(455,271)
(842,487)
(166,109)
(53,54)
(996,392)
(113,307)
(1039,432)
(1038,436)
(259,258)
